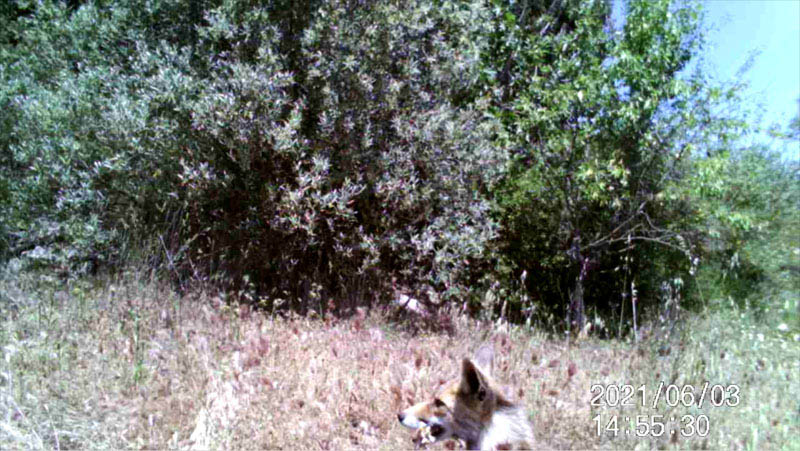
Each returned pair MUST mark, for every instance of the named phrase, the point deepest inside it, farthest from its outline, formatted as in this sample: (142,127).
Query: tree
(599,122)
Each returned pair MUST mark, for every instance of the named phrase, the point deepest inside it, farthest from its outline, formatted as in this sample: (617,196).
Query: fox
(473,409)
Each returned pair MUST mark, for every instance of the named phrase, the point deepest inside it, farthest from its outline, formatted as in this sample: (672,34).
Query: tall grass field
(126,363)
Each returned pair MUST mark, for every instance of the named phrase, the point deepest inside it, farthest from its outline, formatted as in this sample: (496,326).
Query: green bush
(747,201)
(337,156)
(514,156)
(278,146)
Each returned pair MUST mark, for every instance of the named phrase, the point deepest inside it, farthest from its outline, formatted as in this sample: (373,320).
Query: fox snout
(429,430)
(430,424)
(409,420)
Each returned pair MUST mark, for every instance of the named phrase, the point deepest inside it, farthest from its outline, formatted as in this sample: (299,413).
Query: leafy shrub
(340,158)
(520,157)
(747,201)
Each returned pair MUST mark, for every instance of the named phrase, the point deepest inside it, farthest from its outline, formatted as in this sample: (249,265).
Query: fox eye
(439,403)
(437,430)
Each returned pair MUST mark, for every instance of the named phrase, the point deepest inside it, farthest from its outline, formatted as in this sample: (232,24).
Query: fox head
(434,416)
(460,409)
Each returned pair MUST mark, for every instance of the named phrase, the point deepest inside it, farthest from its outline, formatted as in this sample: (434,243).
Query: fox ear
(472,380)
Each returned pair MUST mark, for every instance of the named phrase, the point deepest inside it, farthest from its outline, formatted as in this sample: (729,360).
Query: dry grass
(128,364)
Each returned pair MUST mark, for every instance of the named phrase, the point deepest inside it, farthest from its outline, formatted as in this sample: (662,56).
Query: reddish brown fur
(473,409)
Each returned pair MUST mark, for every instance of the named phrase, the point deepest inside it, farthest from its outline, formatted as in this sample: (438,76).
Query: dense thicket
(533,155)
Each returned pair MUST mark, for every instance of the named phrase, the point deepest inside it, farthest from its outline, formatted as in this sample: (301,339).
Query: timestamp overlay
(666,411)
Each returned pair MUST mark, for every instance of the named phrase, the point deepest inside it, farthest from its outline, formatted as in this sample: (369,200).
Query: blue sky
(768,29)
(766,33)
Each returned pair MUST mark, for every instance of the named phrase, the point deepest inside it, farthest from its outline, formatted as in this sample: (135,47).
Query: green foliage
(747,203)
(529,154)
(591,154)
(52,96)
(276,145)
(340,157)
